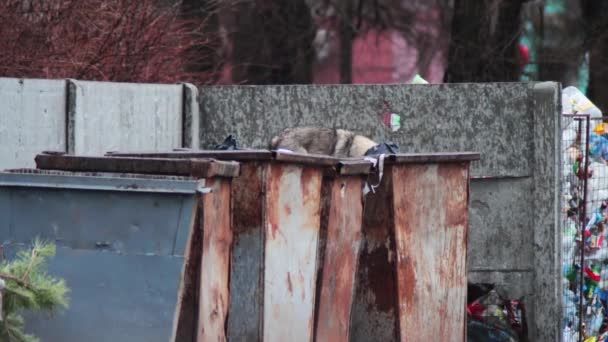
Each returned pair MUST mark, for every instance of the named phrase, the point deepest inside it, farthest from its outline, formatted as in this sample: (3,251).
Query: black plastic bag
(384,148)
(228,144)
(481,332)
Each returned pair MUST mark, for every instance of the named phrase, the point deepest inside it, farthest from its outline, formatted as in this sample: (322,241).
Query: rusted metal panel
(374,316)
(246,268)
(305,158)
(340,259)
(214,297)
(354,167)
(182,167)
(292,230)
(431,220)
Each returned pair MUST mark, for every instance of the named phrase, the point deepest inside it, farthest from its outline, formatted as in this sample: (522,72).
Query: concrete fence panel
(32,118)
(105,116)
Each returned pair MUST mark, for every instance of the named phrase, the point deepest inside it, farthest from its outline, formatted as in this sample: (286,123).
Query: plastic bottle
(569,302)
(596,318)
(575,101)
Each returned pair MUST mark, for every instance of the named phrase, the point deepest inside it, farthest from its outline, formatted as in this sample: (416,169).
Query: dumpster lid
(100,181)
(343,166)
(441,157)
(193,167)
(311,159)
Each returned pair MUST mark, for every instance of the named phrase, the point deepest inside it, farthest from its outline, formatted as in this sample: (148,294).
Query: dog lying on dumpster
(338,143)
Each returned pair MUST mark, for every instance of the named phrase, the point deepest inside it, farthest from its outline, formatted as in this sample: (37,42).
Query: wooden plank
(292,230)
(431,221)
(215,264)
(340,261)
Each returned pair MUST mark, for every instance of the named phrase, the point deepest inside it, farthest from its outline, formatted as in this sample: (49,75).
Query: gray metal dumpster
(123,229)
(406,282)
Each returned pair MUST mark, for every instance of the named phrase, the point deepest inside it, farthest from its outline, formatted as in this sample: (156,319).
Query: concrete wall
(92,118)
(114,116)
(514,206)
(32,118)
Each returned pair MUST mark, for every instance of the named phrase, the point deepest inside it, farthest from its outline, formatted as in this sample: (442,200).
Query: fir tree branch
(16,279)
(29,267)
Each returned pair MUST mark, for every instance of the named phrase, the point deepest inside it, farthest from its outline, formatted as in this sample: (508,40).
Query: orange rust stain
(405,216)
(289,286)
(217,218)
(308,175)
(287,209)
(311,183)
(407,283)
(247,194)
(273,184)
(453,178)
(217,243)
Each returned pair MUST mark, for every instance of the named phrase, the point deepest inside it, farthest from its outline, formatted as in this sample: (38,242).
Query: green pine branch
(27,286)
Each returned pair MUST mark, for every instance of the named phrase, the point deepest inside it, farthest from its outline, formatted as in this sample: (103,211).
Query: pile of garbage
(584,230)
(491,317)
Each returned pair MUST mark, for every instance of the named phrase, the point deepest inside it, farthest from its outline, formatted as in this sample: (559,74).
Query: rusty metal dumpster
(297,231)
(410,273)
(411,282)
(123,228)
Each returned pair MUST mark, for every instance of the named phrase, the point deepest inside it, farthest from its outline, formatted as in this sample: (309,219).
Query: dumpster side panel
(84,219)
(340,261)
(375,305)
(431,221)
(217,239)
(113,297)
(118,252)
(248,191)
(292,232)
